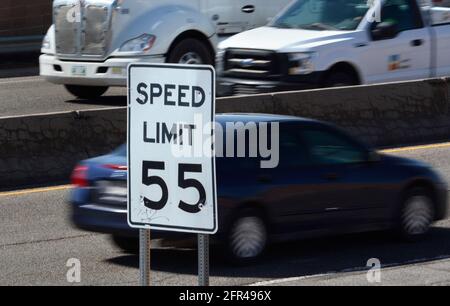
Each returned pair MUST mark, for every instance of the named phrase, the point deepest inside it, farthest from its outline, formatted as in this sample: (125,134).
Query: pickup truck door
(232,16)
(440,20)
(404,57)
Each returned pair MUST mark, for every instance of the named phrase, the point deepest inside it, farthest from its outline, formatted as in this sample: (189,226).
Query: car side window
(401,13)
(326,148)
(292,151)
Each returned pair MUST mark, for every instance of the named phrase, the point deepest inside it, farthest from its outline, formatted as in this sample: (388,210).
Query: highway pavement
(37,240)
(33,95)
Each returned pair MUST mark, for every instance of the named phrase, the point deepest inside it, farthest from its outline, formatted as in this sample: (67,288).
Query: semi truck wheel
(86,92)
(191,51)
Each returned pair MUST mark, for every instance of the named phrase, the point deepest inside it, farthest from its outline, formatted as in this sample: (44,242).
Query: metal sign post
(144,256)
(203,260)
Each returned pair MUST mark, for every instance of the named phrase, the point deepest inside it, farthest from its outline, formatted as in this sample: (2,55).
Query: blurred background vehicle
(442,3)
(91,42)
(331,43)
(326,183)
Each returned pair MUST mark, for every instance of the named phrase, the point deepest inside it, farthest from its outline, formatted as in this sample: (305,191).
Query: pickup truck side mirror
(384,30)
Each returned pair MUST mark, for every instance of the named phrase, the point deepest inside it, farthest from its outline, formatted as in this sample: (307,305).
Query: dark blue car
(326,183)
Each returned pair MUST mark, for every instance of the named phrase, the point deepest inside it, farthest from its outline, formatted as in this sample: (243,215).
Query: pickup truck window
(440,15)
(403,13)
(323,15)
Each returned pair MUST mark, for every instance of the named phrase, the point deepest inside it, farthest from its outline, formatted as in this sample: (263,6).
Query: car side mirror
(384,30)
(373,157)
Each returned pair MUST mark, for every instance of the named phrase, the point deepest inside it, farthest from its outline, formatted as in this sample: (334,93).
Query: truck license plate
(79,70)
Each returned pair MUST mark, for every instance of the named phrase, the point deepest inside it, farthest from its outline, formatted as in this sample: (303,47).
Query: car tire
(339,79)
(246,238)
(191,51)
(86,92)
(416,215)
(127,244)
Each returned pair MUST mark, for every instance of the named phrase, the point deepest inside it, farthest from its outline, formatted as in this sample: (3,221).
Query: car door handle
(248,9)
(331,176)
(416,42)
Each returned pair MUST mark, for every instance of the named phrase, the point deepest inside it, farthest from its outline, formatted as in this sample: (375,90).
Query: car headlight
(142,43)
(301,63)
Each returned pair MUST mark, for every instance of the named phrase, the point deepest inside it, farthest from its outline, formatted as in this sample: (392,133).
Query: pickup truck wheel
(338,79)
(127,244)
(86,92)
(191,51)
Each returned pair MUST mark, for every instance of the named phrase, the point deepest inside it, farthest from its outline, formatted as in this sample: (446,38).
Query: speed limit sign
(171,164)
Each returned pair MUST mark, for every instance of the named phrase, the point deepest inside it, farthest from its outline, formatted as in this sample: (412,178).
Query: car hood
(397,160)
(278,39)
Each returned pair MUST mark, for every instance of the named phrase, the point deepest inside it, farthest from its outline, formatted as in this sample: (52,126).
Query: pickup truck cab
(325,43)
(91,42)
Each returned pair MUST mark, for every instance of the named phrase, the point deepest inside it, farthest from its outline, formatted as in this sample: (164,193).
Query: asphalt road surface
(37,240)
(33,95)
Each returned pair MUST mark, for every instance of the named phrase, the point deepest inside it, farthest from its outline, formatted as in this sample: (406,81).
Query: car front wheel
(247,238)
(417,215)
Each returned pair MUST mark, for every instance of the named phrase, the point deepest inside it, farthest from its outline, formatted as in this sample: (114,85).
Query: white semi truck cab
(325,43)
(91,42)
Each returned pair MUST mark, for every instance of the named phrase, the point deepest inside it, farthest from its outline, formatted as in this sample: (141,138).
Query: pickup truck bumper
(112,72)
(236,86)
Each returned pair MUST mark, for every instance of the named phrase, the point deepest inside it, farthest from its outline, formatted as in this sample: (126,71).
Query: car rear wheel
(417,215)
(126,244)
(191,51)
(86,92)
(247,238)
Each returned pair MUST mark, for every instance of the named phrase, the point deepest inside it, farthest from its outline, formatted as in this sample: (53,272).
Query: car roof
(259,117)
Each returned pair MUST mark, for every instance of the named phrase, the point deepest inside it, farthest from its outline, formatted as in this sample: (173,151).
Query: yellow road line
(416,148)
(67,187)
(34,190)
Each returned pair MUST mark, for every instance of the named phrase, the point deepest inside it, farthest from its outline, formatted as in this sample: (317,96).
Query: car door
(231,17)
(406,56)
(353,190)
(291,191)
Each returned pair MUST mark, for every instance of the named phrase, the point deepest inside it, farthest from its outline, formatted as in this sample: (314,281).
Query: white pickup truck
(91,42)
(325,43)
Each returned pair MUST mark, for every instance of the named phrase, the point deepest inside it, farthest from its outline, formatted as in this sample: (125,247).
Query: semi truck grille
(82,28)
(253,64)
(66,32)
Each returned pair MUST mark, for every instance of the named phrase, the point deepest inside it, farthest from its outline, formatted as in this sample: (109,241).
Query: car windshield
(320,15)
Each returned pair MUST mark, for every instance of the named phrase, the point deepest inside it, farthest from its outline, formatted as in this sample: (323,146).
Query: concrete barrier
(44,148)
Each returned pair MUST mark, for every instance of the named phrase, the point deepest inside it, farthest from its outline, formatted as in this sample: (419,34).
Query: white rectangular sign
(171,164)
